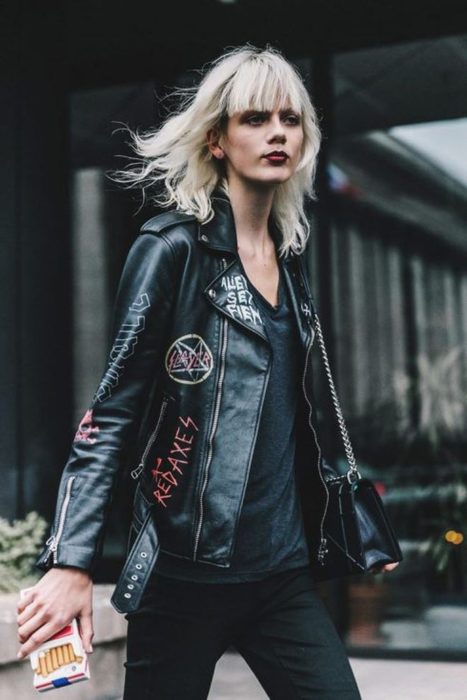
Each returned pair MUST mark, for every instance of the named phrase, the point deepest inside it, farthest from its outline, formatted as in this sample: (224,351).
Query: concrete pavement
(378,679)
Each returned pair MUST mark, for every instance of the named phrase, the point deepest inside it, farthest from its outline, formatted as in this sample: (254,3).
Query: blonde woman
(207,388)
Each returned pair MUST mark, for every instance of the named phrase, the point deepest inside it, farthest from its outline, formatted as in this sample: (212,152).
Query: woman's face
(261,147)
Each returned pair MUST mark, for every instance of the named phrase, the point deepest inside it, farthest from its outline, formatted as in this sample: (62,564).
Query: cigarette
(48,662)
(42,664)
(53,653)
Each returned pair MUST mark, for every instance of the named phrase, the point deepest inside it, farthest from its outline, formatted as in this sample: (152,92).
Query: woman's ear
(212,138)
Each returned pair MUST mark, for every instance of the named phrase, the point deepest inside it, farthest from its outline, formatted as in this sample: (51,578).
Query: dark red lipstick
(276,156)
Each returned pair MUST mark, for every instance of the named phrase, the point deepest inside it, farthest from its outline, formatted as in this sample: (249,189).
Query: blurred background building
(387,257)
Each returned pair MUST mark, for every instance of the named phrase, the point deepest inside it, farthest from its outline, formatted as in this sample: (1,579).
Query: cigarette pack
(61,660)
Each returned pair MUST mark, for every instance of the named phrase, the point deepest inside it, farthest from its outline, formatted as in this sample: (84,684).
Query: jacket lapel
(229,293)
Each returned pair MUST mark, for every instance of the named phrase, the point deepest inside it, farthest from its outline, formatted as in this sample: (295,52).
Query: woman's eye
(255,119)
(292,119)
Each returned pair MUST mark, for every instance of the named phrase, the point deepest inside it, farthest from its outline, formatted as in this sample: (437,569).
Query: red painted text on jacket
(169,469)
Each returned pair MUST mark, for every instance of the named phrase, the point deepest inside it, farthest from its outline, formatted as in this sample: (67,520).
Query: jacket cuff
(68,555)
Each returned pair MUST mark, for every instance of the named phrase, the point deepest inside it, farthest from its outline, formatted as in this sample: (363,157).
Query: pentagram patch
(189,360)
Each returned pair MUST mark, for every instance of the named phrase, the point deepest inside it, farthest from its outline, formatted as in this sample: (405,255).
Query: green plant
(19,545)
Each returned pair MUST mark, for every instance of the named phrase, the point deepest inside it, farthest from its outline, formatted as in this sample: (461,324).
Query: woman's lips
(276,158)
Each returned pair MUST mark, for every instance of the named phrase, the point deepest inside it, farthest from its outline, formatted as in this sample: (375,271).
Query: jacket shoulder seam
(168,242)
(165,220)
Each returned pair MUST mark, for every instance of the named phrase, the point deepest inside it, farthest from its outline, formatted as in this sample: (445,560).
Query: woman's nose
(277,130)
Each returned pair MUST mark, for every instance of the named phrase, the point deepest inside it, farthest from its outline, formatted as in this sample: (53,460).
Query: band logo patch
(189,360)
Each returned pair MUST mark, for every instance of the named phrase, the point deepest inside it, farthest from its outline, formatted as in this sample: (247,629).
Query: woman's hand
(386,567)
(59,596)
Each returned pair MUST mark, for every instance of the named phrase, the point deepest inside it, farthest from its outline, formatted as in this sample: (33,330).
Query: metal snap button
(144,555)
(131,586)
(138,566)
(127,595)
(204,238)
(134,577)
(212,293)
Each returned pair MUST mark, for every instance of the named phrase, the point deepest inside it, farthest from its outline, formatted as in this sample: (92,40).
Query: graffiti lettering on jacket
(123,347)
(169,469)
(239,300)
(86,429)
(189,359)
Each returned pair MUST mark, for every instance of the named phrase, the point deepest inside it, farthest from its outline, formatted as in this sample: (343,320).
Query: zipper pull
(137,471)
(51,543)
(52,549)
(322,550)
(306,308)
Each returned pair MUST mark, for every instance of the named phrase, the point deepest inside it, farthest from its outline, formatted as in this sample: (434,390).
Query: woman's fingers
(25,600)
(41,635)
(385,567)
(390,567)
(27,613)
(86,631)
(26,628)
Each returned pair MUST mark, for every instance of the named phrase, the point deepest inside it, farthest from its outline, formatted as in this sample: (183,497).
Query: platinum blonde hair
(176,156)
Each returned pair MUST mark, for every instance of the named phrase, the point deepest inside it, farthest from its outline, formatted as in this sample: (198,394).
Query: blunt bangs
(263,84)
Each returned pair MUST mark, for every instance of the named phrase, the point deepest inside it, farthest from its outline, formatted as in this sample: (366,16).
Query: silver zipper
(137,470)
(214,426)
(54,540)
(322,549)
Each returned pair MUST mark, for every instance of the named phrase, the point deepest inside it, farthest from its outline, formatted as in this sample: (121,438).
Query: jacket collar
(228,291)
(220,234)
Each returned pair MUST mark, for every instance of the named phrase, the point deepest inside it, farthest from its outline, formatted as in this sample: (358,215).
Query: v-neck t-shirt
(270,535)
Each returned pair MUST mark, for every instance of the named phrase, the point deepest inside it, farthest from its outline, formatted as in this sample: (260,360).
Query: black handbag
(357,530)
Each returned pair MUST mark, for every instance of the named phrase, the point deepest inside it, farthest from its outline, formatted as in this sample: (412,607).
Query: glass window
(397,203)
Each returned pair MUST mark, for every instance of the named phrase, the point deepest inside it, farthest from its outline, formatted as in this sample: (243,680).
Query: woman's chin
(269,180)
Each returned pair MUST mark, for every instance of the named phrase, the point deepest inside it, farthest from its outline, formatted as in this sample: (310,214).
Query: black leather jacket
(183,390)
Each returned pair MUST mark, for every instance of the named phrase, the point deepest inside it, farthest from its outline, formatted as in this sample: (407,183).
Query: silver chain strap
(353,472)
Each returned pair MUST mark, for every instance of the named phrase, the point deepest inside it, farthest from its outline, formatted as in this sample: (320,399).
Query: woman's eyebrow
(256,111)
(284,110)
(268,112)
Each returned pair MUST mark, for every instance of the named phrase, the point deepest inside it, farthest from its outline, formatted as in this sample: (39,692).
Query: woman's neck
(251,209)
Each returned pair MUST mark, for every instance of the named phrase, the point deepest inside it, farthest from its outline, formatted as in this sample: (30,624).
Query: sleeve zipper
(54,540)
(137,470)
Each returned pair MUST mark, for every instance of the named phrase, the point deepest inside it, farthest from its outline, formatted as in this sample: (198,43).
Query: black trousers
(279,625)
